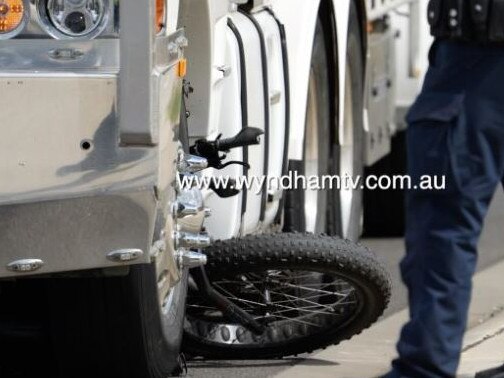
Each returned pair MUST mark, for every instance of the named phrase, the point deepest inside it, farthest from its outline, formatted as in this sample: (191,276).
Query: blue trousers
(456,130)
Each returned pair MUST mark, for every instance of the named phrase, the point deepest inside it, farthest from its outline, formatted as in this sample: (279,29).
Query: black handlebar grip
(249,136)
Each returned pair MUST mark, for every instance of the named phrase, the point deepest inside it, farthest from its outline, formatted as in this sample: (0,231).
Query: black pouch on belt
(496,26)
(436,15)
(447,18)
(480,10)
(456,18)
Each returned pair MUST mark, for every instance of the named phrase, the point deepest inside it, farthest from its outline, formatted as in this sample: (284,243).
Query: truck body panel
(89,149)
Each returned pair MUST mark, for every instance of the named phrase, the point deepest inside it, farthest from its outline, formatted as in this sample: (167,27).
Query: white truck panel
(226,212)
(277,102)
(206,23)
(300,33)
(256,114)
(300,28)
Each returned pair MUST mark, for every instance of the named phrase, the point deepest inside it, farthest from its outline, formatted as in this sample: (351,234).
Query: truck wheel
(348,158)
(337,212)
(306,210)
(309,291)
(121,327)
(117,327)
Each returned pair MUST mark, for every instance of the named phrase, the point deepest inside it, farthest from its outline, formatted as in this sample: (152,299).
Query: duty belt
(467,20)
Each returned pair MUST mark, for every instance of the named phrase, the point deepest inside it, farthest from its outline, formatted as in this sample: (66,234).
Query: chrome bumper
(75,234)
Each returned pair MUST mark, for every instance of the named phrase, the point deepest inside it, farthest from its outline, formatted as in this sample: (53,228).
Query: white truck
(109,104)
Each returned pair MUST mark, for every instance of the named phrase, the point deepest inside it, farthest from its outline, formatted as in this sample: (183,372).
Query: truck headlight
(74,18)
(13,16)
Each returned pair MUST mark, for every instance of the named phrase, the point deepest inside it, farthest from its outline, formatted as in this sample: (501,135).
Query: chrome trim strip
(60,75)
(37,56)
(135,79)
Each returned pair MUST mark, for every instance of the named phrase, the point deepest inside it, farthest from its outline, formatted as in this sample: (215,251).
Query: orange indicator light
(182,67)
(11,15)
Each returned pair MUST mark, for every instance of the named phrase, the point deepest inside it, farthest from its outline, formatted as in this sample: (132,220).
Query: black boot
(491,373)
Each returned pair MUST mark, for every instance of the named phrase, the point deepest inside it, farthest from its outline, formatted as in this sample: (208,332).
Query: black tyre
(309,291)
(331,211)
(24,325)
(116,327)
(306,210)
(91,327)
(385,213)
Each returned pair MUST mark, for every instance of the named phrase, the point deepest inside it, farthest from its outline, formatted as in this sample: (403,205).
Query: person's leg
(442,234)
(459,135)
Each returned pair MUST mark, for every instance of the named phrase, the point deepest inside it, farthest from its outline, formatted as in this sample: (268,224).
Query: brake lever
(209,150)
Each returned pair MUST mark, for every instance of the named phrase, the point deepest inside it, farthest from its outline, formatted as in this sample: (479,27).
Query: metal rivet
(208,212)
(275,97)
(226,70)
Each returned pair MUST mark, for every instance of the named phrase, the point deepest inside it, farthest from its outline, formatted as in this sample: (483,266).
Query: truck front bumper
(72,196)
(75,234)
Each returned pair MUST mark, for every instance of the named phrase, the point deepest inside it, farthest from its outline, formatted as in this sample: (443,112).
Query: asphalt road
(391,250)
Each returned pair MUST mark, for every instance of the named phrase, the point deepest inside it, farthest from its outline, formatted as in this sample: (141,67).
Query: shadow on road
(283,362)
